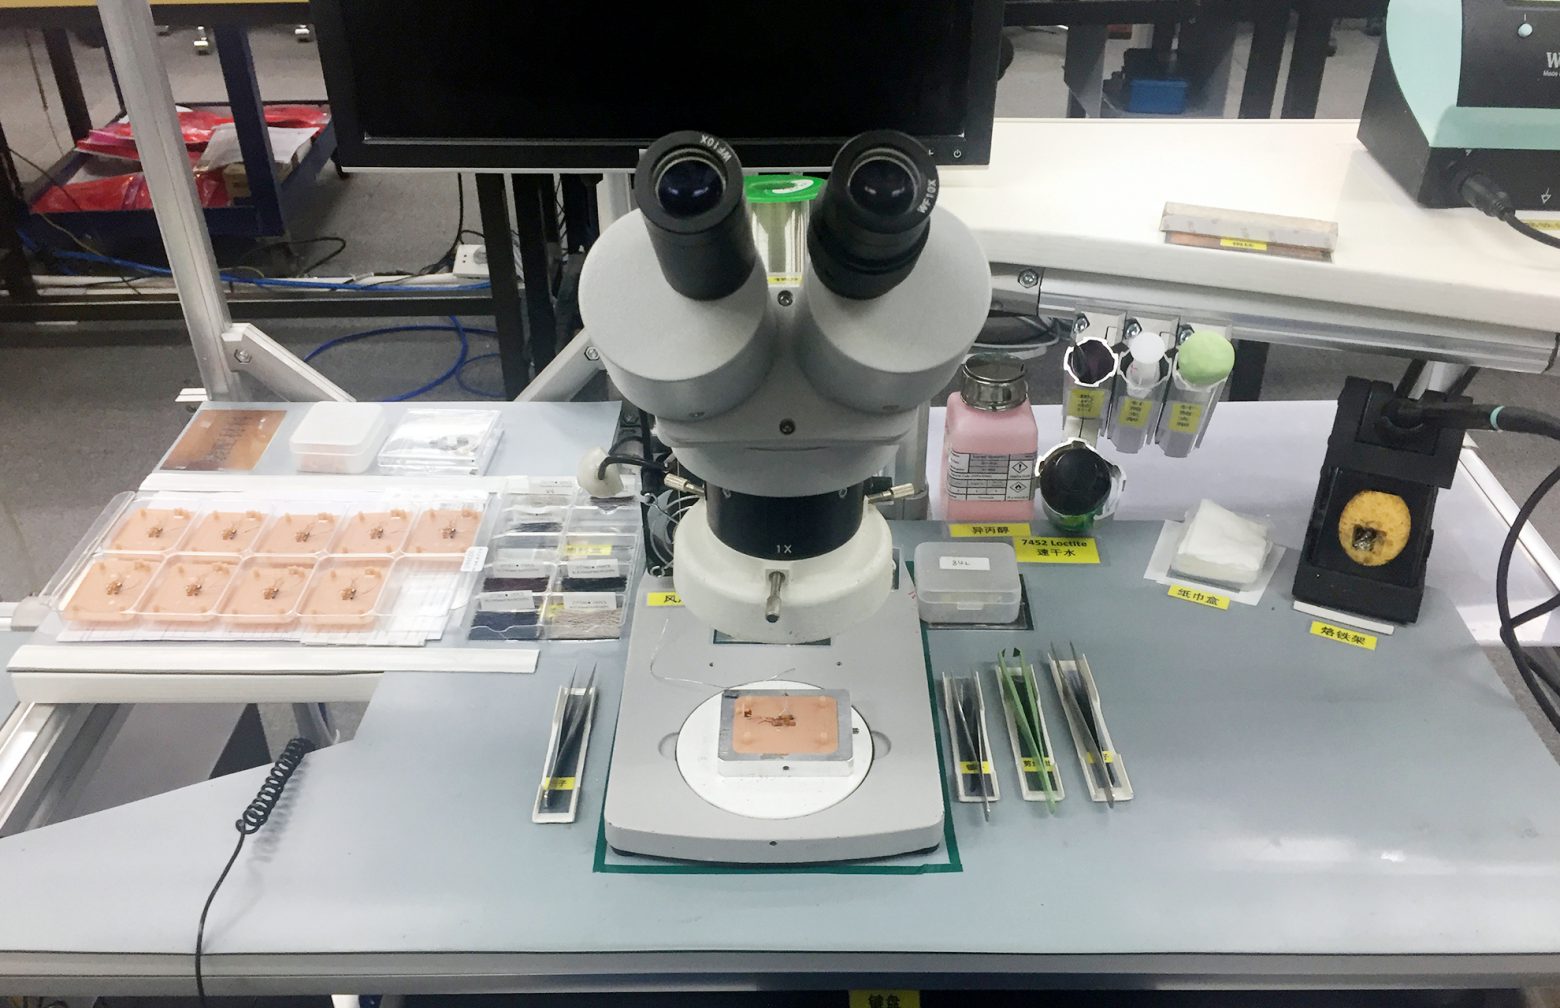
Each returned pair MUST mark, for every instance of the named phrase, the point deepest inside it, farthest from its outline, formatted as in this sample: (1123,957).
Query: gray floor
(85,410)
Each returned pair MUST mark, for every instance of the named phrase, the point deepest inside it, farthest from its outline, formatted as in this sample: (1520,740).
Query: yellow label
(663,599)
(1185,417)
(968,766)
(1197,595)
(1031,765)
(559,783)
(785,278)
(1086,403)
(1056,549)
(586,549)
(1544,225)
(885,999)
(1006,531)
(1343,635)
(1109,756)
(1244,244)
(1134,412)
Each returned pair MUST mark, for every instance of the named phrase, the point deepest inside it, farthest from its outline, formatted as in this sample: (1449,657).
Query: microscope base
(675,665)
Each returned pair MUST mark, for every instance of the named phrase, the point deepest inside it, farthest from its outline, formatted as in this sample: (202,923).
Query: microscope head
(784,399)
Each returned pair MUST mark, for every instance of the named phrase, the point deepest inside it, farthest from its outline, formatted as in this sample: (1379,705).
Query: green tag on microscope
(782,188)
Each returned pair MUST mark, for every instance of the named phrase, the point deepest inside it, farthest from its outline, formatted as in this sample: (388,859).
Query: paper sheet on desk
(1164,552)
(223,150)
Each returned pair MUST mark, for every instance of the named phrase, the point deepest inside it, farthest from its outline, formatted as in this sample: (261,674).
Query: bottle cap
(994,381)
(1205,358)
(1146,348)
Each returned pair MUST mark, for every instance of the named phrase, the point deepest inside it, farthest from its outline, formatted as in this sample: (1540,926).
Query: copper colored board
(1248,247)
(226,440)
(783,725)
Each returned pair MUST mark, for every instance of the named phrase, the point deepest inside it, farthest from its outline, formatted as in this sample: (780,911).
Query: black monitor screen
(567,84)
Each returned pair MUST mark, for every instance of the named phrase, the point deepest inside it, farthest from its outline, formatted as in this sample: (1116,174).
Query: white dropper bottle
(1146,350)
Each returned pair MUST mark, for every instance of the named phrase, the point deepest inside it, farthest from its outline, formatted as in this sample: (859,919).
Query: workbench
(1080,203)
(1307,813)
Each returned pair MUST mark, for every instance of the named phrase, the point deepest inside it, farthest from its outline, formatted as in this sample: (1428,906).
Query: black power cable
(633,460)
(1532,672)
(1523,227)
(1408,414)
(1485,195)
(254,816)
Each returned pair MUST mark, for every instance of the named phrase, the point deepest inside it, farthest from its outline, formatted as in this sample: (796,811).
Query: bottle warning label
(990,477)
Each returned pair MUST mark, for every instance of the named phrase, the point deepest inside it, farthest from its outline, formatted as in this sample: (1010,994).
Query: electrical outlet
(471,261)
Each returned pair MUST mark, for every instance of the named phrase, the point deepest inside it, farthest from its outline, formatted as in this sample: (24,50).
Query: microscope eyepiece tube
(689,188)
(874,216)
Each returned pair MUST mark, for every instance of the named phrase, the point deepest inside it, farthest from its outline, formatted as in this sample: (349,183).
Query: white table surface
(1086,195)
(1263,459)
(407,854)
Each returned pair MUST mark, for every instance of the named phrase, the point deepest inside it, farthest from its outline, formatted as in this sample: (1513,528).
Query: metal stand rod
(910,467)
(223,351)
(132,38)
(566,374)
(1438,377)
(492,202)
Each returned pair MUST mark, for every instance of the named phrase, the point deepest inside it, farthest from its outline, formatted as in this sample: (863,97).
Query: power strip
(471,262)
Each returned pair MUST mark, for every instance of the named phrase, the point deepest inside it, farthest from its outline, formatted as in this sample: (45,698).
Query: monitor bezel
(355,150)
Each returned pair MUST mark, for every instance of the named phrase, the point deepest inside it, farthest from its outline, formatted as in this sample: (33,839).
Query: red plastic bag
(296,116)
(98,194)
(122,192)
(117,139)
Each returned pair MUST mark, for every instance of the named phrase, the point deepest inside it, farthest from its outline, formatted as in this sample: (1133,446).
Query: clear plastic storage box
(967,582)
(441,443)
(338,437)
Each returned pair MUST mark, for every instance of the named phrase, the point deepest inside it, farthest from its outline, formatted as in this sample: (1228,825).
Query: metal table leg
(1307,60)
(56,41)
(492,202)
(1269,32)
(581,222)
(254,137)
(13,207)
(536,221)
(1084,70)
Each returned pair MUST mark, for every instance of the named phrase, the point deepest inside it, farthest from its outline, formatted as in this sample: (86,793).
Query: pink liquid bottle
(990,443)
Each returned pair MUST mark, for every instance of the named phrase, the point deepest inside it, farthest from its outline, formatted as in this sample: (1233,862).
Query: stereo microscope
(752,711)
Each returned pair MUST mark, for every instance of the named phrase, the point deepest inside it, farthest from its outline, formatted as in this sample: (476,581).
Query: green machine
(1464,105)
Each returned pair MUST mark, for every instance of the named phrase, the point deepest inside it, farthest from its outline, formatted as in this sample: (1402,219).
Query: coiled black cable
(255,816)
(270,792)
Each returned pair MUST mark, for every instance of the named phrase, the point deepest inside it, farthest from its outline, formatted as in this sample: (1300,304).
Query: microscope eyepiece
(688,184)
(882,184)
(689,188)
(874,216)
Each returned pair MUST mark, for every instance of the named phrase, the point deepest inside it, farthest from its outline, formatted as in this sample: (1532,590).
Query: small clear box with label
(967,582)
